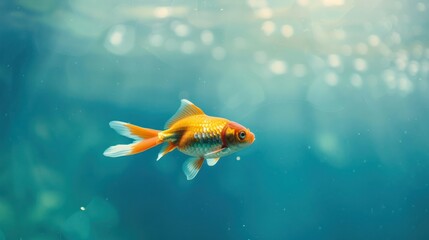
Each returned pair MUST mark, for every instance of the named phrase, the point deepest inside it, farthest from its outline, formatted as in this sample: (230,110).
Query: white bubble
(413,68)
(278,67)
(120,39)
(331,3)
(331,79)
(356,80)
(181,30)
(303,3)
(389,78)
(260,57)
(207,37)
(287,31)
(238,158)
(156,40)
(299,70)
(187,47)
(268,27)
(116,38)
(360,64)
(334,60)
(82,208)
(373,40)
(218,53)
(264,13)
(401,60)
(161,12)
(405,85)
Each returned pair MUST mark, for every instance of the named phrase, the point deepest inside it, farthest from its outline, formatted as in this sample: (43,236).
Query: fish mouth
(253,137)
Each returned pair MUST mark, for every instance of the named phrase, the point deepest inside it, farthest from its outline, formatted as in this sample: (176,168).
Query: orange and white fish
(192,132)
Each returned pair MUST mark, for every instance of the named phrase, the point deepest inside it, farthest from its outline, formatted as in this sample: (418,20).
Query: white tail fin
(122,129)
(118,150)
(145,138)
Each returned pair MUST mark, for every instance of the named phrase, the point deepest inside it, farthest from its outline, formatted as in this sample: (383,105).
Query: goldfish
(192,132)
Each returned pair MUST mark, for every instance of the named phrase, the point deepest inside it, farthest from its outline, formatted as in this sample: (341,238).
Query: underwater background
(336,92)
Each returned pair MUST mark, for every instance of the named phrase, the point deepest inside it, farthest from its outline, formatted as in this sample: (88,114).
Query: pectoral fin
(192,166)
(216,153)
(212,161)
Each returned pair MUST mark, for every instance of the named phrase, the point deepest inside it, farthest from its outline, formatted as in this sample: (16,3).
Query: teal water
(336,92)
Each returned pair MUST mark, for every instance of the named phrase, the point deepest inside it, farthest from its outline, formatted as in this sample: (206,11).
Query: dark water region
(336,92)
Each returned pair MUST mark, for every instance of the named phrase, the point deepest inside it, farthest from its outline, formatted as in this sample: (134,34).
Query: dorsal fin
(186,109)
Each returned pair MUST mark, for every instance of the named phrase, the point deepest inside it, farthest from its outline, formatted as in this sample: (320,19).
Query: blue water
(336,92)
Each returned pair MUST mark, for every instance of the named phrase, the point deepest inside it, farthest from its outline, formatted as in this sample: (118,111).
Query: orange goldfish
(192,132)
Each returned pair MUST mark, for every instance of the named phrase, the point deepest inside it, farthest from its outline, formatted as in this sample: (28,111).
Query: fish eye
(242,135)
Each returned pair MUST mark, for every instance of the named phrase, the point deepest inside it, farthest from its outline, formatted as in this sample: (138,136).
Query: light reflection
(278,67)
(413,68)
(360,64)
(389,78)
(181,30)
(373,40)
(120,39)
(207,37)
(405,85)
(287,31)
(334,60)
(264,13)
(303,3)
(116,37)
(333,3)
(268,27)
(161,12)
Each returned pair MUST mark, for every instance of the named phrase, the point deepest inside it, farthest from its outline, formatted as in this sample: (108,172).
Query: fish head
(237,136)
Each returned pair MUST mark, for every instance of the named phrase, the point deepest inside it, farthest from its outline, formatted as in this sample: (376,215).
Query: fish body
(198,135)
(192,132)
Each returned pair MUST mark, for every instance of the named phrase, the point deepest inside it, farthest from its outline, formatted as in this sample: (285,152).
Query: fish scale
(202,135)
